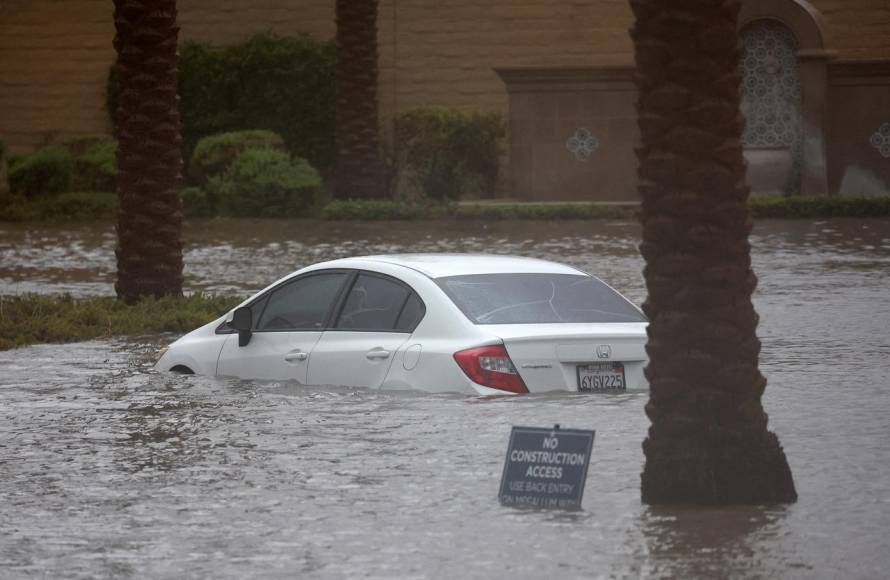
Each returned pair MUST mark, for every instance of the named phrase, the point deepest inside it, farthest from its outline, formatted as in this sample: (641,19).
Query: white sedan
(434,322)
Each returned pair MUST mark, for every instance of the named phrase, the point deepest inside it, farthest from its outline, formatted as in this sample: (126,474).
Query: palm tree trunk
(149,249)
(708,442)
(359,171)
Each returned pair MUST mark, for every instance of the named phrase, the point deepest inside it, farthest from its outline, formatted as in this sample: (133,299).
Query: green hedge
(215,153)
(86,206)
(266,183)
(4,175)
(761,208)
(283,84)
(450,154)
(73,206)
(45,172)
(818,207)
(31,319)
(80,163)
(360,210)
(12,159)
(95,162)
(533,211)
(381,210)
(197,203)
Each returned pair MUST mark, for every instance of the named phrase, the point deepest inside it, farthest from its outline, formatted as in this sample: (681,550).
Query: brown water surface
(108,470)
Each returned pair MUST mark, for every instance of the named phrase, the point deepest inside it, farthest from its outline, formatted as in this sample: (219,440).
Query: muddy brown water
(108,470)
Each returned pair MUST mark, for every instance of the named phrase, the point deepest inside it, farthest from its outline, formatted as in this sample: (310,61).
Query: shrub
(81,163)
(18,211)
(266,183)
(449,153)
(13,159)
(5,197)
(81,205)
(214,154)
(196,202)
(374,210)
(283,84)
(380,210)
(45,172)
(95,162)
(63,207)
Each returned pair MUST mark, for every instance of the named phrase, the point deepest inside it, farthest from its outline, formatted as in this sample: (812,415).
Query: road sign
(546,468)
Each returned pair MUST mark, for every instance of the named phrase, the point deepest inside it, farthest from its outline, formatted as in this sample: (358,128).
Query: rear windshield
(537,298)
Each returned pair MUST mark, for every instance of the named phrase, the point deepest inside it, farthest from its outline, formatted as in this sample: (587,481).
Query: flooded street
(110,471)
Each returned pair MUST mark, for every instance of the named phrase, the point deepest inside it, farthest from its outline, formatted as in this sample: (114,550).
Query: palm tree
(359,169)
(708,441)
(149,248)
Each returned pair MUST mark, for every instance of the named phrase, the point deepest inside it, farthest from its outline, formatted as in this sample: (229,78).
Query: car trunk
(548,356)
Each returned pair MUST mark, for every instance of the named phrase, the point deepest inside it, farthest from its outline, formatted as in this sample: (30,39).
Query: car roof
(443,265)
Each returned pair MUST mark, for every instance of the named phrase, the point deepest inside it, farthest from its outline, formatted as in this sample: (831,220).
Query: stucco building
(816,90)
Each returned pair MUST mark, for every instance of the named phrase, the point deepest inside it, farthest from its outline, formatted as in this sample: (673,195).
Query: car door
(377,317)
(287,323)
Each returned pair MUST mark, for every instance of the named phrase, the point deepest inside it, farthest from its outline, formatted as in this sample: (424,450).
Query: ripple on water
(110,470)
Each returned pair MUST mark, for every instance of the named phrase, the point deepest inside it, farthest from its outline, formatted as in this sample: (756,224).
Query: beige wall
(55,54)
(856,29)
(859,97)
(446,50)
(54,59)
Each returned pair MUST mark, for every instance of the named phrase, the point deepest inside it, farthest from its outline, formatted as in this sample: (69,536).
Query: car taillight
(491,366)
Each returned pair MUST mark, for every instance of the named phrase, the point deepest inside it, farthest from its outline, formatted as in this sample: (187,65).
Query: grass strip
(32,319)
(543,212)
(765,207)
(103,206)
(818,207)
(384,210)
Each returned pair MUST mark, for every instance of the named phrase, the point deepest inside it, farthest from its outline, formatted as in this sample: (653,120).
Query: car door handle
(296,356)
(377,353)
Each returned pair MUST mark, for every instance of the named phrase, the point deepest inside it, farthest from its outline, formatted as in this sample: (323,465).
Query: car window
(373,303)
(303,304)
(256,309)
(537,298)
(411,315)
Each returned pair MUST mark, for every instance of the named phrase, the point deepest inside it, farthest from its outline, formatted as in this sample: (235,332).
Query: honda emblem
(604,351)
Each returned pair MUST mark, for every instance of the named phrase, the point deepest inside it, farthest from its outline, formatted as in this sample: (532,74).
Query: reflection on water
(709,543)
(245,255)
(109,470)
(224,255)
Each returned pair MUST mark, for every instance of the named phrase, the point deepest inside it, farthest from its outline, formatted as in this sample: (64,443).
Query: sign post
(546,468)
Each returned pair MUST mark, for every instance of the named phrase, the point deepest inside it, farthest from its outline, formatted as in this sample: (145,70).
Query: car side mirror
(242,321)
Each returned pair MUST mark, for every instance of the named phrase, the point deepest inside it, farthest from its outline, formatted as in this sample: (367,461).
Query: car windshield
(537,298)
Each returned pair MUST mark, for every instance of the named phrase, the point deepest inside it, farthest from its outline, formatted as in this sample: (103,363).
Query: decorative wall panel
(771,91)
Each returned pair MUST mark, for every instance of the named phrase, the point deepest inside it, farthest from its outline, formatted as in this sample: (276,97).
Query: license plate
(601,377)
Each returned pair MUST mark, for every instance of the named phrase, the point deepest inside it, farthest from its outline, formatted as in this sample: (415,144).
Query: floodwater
(108,470)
